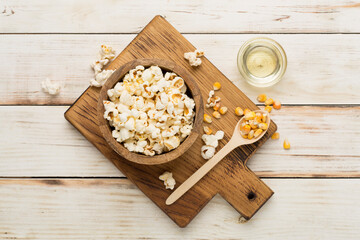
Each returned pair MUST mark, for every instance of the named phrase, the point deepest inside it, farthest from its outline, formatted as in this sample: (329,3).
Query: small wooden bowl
(192,90)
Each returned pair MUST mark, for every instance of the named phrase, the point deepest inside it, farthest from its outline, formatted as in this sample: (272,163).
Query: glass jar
(262,61)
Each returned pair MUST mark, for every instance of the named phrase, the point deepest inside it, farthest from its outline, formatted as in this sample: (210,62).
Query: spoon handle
(201,172)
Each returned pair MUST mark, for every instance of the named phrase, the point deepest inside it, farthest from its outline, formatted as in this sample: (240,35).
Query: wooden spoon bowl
(193,91)
(235,141)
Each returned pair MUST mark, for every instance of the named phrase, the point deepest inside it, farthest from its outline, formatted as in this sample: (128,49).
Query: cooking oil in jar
(262,62)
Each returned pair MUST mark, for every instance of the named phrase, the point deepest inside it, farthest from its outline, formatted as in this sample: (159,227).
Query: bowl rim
(105,128)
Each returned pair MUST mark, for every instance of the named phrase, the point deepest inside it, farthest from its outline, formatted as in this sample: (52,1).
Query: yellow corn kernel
(258,119)
(269,101)
(268,109)
(251,134)
(217,106)
(216,114)
(244,135)
(252,124)
(263,126)
(207,118)
(223,110)
(262,98)
(207,130)
(286,144)
(245,129)
(217,86)
(277,105)
(264,118)
(258,133)
(246,110)
(275,136)
(250,116)
(239,111)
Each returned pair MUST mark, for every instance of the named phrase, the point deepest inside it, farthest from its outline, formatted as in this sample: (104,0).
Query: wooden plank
(91,16)
(322,68)
(50,146)
(115,209)
(230,178)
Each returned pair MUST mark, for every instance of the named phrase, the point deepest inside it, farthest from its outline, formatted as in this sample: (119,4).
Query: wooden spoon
(235,141)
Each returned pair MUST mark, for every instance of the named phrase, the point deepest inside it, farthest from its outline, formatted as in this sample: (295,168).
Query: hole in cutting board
(251,196)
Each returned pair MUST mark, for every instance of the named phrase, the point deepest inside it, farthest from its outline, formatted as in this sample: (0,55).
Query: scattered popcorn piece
(98,65)
(239,111)
(207,118)
(275,136)
(207,130)
(269,101)
(277,105)
(211,142)
(223,110)
(216,114)
(105,55)
(219,135)
(212,139)
(207,152)
(286,144)
(212,100)
(216,86)
(101,78)
(268,109)
(168,179)
(106,52)
(49,87)
(262,98)
(152,116)
(194,57)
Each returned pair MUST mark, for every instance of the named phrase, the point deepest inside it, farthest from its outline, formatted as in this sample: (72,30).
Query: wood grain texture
(50,146)
(322,68)
(230,178)
(72,209)
(211,16)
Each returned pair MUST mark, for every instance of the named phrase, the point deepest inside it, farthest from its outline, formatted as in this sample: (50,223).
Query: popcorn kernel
(216,86)
(239,111)
(262,98)
(207,118)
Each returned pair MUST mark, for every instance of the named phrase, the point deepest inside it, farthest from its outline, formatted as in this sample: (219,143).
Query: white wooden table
(55,185)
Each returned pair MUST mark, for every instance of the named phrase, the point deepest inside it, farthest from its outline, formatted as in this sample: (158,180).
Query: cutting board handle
(247,193)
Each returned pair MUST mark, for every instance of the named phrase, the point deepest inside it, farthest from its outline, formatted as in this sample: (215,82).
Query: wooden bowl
(192,91)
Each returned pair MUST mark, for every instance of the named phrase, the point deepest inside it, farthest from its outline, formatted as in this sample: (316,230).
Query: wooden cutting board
(230,178)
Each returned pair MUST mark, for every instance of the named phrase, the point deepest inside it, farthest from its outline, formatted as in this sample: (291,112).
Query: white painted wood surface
(115,209)
(59,39)
(322,68)
(91,16)
(51,147)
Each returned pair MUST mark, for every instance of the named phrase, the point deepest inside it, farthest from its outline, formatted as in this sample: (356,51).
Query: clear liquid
(261,62)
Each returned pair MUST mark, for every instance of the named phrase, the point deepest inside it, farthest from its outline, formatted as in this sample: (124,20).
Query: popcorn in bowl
(150,112)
